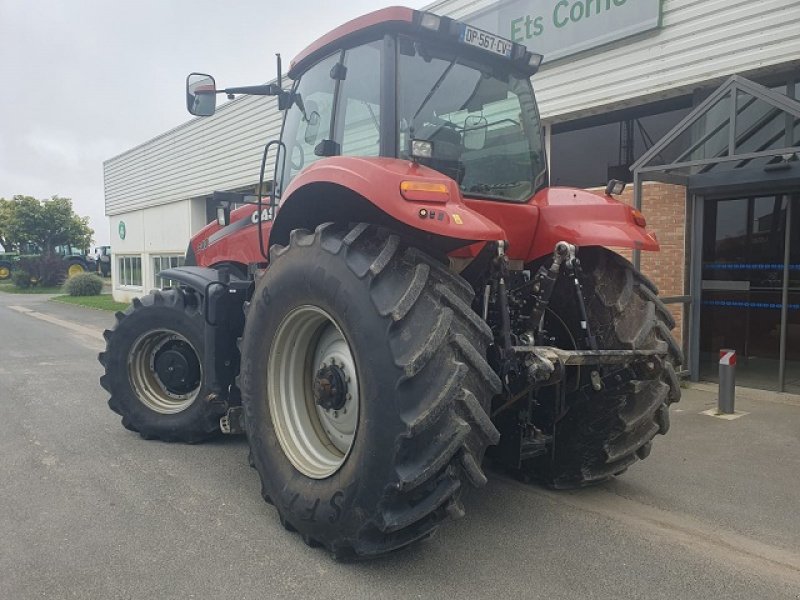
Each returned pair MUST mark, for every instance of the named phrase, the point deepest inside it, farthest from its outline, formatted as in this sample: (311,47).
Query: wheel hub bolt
(330,389)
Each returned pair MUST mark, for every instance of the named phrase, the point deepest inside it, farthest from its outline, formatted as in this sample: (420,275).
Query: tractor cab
(421,87)
(400,83)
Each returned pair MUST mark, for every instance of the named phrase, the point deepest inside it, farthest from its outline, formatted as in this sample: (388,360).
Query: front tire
(606,431)
(153,369)
(412,355)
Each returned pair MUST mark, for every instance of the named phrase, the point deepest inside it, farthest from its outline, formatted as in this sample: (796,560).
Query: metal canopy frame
(668,172)
(736,83)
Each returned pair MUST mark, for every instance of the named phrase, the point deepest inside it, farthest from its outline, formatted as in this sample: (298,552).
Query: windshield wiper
(487,187)
(434,88)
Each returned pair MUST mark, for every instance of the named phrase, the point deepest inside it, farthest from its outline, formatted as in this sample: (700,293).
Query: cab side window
(359,101)
(308,121)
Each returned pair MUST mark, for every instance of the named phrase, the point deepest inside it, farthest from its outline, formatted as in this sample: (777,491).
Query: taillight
(638,218)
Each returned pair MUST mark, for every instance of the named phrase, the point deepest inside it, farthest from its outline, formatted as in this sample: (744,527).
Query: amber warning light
(424,191)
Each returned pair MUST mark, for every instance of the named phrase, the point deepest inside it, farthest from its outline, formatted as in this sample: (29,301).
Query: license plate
(486,41)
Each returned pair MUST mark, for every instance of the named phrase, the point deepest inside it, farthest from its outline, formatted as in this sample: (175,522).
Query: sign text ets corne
(558,28)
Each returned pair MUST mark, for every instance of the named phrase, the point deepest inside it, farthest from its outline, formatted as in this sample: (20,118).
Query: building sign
(558,28)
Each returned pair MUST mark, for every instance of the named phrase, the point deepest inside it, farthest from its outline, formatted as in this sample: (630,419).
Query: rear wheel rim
(75,269)
(150,355)
(307,346)
(5,272)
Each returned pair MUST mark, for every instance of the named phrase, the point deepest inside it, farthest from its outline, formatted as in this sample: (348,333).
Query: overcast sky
(85,80)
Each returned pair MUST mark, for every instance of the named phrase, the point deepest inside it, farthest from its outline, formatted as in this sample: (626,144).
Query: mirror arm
(269,89)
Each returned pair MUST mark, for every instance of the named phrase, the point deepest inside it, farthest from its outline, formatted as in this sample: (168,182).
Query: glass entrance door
(742,292)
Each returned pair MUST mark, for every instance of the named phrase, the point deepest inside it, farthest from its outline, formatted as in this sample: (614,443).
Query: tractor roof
(402,19)
(360,26)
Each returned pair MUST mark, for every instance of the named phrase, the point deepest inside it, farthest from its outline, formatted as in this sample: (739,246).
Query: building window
(589,152)
(161,263)
(129,271)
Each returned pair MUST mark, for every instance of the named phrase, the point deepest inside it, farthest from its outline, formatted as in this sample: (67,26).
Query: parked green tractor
(7,264)
(76,260)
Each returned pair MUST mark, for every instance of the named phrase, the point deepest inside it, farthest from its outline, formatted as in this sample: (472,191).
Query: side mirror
(201,94)
(475,129)
(223,215)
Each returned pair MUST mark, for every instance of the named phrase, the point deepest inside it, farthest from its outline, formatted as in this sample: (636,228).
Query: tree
(5,219)
(45,224)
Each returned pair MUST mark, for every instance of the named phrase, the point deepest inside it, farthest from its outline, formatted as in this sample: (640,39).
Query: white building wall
(156,231)
(700,42)
(221,152)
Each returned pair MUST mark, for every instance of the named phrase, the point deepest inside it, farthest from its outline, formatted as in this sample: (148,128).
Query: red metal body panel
(554,214)
(519,221)
(585,219)
(235,243)
(378,180)
(333,38)
(532,229)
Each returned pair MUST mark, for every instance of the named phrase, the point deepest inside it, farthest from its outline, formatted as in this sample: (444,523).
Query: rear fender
(356,189)
(585,219)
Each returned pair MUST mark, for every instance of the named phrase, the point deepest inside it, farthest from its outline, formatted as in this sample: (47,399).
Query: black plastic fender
(222,298)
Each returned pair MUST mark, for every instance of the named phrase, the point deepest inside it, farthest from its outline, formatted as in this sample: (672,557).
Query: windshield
(483,122)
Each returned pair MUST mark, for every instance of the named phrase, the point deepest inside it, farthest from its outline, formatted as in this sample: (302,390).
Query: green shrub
(21,279)
(44,271)
(85,284)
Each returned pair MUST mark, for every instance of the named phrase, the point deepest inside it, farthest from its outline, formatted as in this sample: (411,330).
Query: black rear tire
(604,432)
(166,417)
(423,380)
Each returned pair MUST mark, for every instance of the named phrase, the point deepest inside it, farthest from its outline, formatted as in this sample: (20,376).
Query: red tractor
(410,293)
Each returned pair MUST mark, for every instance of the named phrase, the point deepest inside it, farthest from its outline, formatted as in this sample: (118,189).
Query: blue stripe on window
(743,304)
(748,267)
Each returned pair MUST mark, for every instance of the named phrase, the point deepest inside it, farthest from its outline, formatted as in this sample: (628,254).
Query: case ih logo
(266,215)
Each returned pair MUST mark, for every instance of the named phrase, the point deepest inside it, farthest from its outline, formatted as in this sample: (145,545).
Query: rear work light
(535,60)
(424,191)
(615,187)
(421,149)
(430,21)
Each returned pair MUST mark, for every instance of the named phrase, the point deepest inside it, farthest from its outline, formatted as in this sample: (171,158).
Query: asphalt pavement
(90,510)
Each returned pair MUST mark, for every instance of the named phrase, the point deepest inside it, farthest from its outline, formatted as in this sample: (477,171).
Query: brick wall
(664,207)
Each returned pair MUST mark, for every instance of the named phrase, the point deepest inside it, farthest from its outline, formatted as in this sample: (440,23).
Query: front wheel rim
(145,360)
(309,347)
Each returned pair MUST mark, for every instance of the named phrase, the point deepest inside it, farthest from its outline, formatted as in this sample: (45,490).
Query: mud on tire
(606,431)
(424,387)
(150,325)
